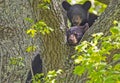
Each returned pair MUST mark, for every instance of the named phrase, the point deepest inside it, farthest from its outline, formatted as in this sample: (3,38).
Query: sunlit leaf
(51,74)
(59,71)
(115,22)
(78,59)
(29,20)
(47,1)
(31,49)
(79,70)
(114,30)
(31,32)
(116,56)
(17,61)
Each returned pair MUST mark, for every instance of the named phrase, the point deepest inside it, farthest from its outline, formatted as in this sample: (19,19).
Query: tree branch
(104,1)
(104,21)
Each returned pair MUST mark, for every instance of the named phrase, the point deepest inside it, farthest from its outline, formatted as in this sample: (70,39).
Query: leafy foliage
(97,7)
(31,49)
(49,78)
(45,4)
(17,61)
(40,26)
(93,57)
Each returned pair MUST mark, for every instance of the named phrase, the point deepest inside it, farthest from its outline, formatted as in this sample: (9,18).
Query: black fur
(75,34)
(36,68)
(78,13)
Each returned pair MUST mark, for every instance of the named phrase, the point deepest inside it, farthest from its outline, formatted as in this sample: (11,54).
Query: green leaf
(110,79)
(47,1)
(82,47)
(115,22)
(79,70)
(52,74)
(117,68)
(78,59)
(29,20)
(42,27)
(17,61)
(59,71)
(31,32)
(116,56)
(114,30)
(31,49)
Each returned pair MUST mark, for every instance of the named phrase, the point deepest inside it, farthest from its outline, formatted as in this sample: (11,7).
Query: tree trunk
(13,38)
(52,47)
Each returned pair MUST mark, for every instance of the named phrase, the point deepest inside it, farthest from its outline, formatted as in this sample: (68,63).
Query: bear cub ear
(66,5)
(87,5)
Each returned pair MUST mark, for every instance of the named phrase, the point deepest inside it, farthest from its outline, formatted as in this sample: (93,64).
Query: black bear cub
(75,34)
(36,68)
(78,13)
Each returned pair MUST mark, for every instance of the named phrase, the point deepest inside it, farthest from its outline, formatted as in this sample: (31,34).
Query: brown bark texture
(105,1)
(52,47)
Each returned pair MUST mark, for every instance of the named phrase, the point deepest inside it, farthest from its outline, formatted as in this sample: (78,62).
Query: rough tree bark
(52,47)
(105,1)
(13,38)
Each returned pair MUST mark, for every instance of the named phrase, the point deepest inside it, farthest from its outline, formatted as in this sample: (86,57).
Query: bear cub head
(75,34)
(78,13)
